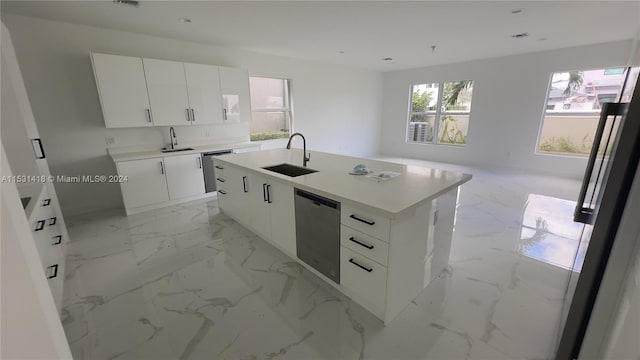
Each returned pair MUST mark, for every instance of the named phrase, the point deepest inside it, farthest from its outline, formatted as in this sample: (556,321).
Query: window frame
(287,110)
(546,112)
(438,113)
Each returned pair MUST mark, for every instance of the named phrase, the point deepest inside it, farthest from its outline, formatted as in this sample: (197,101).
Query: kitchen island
(394,234)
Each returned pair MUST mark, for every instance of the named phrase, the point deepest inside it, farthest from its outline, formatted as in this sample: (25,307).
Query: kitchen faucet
(173,138)
(305,157)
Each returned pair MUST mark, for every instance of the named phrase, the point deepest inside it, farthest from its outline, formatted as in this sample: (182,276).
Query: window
(271,115)
(573,107)
(439,113)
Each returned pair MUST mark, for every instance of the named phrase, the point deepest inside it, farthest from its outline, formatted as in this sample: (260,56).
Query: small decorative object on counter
(360,169)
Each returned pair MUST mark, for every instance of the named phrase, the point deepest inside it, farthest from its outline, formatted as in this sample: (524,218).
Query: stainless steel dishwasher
(318,233)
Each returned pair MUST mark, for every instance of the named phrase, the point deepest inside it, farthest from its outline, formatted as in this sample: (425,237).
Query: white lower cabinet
(159,180)
(48,236)
(282,216)
(263,205)
(184,176)
(146,182)
(364,280)
(233,191)
(259,220)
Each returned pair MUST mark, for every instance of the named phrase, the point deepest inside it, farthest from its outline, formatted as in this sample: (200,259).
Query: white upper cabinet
(122,90)
(234,86)
(137,92)
(184,176)
(167,89)
(203,87)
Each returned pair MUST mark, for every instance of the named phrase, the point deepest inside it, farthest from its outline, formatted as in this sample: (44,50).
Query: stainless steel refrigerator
(610,172)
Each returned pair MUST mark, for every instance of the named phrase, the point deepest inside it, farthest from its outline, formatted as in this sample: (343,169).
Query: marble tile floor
(187,282)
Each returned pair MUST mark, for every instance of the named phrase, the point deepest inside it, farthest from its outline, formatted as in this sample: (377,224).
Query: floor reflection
(550,235)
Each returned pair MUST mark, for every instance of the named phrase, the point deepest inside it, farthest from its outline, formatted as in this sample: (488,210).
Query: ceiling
(361,33)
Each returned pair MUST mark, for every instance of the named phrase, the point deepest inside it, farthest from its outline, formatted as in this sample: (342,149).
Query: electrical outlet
(110,140)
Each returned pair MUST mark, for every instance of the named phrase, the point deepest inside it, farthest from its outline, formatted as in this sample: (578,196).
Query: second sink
(290,170)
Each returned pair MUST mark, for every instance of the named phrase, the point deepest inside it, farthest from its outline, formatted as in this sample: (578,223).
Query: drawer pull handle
(57,240)
(220,179)
(370,247)
(366,221)
(219,167)
(222,192)
(52,221)
(264,192)
(244,184)
(40,225)
(46,202)
(360,266)
(52,271)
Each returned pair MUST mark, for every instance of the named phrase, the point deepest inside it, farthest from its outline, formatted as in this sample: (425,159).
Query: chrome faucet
(305,157)
(173,138)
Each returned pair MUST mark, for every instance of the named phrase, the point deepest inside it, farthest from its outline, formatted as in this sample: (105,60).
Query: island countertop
(391,198)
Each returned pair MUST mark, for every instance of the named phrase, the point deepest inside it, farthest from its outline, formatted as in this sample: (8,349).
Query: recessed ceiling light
(516,11)
(341,52)
(520,35)
(542,39)
(387,59)
(184,20)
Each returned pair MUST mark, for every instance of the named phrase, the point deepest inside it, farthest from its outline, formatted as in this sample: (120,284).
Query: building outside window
(573,106)
(271,114)
(439,112)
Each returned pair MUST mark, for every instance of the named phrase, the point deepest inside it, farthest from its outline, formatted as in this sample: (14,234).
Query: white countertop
(119,155)
(391,198)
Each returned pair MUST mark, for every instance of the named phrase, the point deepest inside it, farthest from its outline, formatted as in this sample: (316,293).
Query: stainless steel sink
(290,170)
(165,150)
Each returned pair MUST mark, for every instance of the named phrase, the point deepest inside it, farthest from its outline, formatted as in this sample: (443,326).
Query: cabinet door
(282,216)
(184,176)
(203,88)
(259,207)
(122,90)
(237,181)
(167,89)
(146,183)
(234,86)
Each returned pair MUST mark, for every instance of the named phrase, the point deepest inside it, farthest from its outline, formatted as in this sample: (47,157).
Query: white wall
(506,112)
(337,108)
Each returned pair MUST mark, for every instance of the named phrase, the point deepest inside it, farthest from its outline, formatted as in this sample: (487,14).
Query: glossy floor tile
(187,282)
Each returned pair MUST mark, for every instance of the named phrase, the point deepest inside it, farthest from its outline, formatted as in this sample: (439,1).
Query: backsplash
(157,137)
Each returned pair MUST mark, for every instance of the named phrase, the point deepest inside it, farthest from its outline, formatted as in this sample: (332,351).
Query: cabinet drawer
(221,180)
(219,168)
(364,244)
(364,280)
(366,222)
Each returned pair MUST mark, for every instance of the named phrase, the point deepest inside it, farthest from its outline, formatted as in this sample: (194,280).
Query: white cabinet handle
(193,115)
(149,118)
(188,115)
(161,167)
(199,162)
